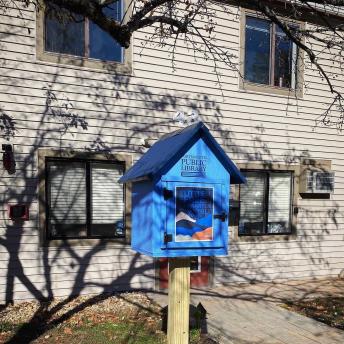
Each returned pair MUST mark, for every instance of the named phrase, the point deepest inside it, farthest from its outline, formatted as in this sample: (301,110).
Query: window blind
(279,202)
(107,199)
(252,204)
(265,203)
(67,198)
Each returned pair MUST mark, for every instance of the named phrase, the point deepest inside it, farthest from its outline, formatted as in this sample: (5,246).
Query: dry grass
(122,319)
(125,318)
(329,310)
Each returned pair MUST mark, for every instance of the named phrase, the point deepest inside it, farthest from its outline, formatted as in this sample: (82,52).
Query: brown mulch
(75,312)
(126,306)
(329,310)
(37,322)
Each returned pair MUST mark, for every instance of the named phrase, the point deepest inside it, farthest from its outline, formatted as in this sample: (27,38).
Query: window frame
(267,174)
(87,163)
(246,85)
(199,264)
(234,199)
(45,155)
(124,67)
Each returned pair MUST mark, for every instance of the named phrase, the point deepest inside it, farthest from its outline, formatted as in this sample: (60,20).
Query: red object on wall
(197,279)
(7,160)
(18,212)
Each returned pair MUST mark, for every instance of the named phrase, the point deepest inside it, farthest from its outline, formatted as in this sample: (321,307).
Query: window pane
(279,203)
(285,60)
(67,199)
(102,45)
(257,50)
(63,33)
(107,200)
(252,204)
(114,10)
(195,264)
(323,181)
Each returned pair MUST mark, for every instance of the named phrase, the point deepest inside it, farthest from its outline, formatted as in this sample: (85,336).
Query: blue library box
(180,195)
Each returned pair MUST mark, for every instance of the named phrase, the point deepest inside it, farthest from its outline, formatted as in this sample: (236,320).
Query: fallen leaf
(68,330)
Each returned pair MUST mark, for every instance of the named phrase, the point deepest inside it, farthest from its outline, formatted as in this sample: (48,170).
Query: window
(84,199)
(195,264)
(67,38)
(270,57)
(75,35)
(265,203)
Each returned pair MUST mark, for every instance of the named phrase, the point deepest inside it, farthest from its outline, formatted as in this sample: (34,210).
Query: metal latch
(222,216)
(167,193)
(167,238)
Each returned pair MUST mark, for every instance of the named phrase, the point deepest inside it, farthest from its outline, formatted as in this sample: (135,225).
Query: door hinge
(167,193)
(167,238)
(222,216)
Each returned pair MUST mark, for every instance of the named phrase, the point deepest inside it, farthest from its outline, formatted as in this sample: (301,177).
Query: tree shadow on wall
(115,116)
(53,120)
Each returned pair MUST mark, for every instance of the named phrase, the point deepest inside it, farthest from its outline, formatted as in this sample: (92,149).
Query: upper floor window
(265,203)
(75,35)
(64,37)
(270,57)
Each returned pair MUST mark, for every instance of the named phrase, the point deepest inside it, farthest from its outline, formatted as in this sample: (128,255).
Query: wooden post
(178,301)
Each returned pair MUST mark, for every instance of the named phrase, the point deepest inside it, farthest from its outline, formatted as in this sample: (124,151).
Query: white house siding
(120,111)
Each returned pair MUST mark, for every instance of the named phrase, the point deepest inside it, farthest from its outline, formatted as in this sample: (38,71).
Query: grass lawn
(88,333)
(329,310)
(129,318)
(91,333)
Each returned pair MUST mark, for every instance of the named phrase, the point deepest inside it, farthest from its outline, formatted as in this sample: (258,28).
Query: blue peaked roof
(171,147)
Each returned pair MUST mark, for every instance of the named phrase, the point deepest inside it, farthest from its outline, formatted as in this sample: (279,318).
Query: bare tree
(194,22)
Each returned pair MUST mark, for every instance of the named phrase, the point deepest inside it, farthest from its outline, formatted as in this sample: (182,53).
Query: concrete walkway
(250,314)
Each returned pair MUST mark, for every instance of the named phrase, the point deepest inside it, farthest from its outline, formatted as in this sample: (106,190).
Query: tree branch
(183,16)
(149,21)
(94,11)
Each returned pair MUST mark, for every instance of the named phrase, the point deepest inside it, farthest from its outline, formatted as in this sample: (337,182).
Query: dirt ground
(61,319)
(121,319)
(329,310)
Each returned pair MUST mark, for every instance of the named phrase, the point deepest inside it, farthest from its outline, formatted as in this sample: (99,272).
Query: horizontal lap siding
(63,290)
(120,111)
(97,272)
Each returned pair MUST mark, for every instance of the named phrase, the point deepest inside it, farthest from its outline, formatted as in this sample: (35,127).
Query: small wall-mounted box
(317,182)
(316,177)
(180,196)
(18,212)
